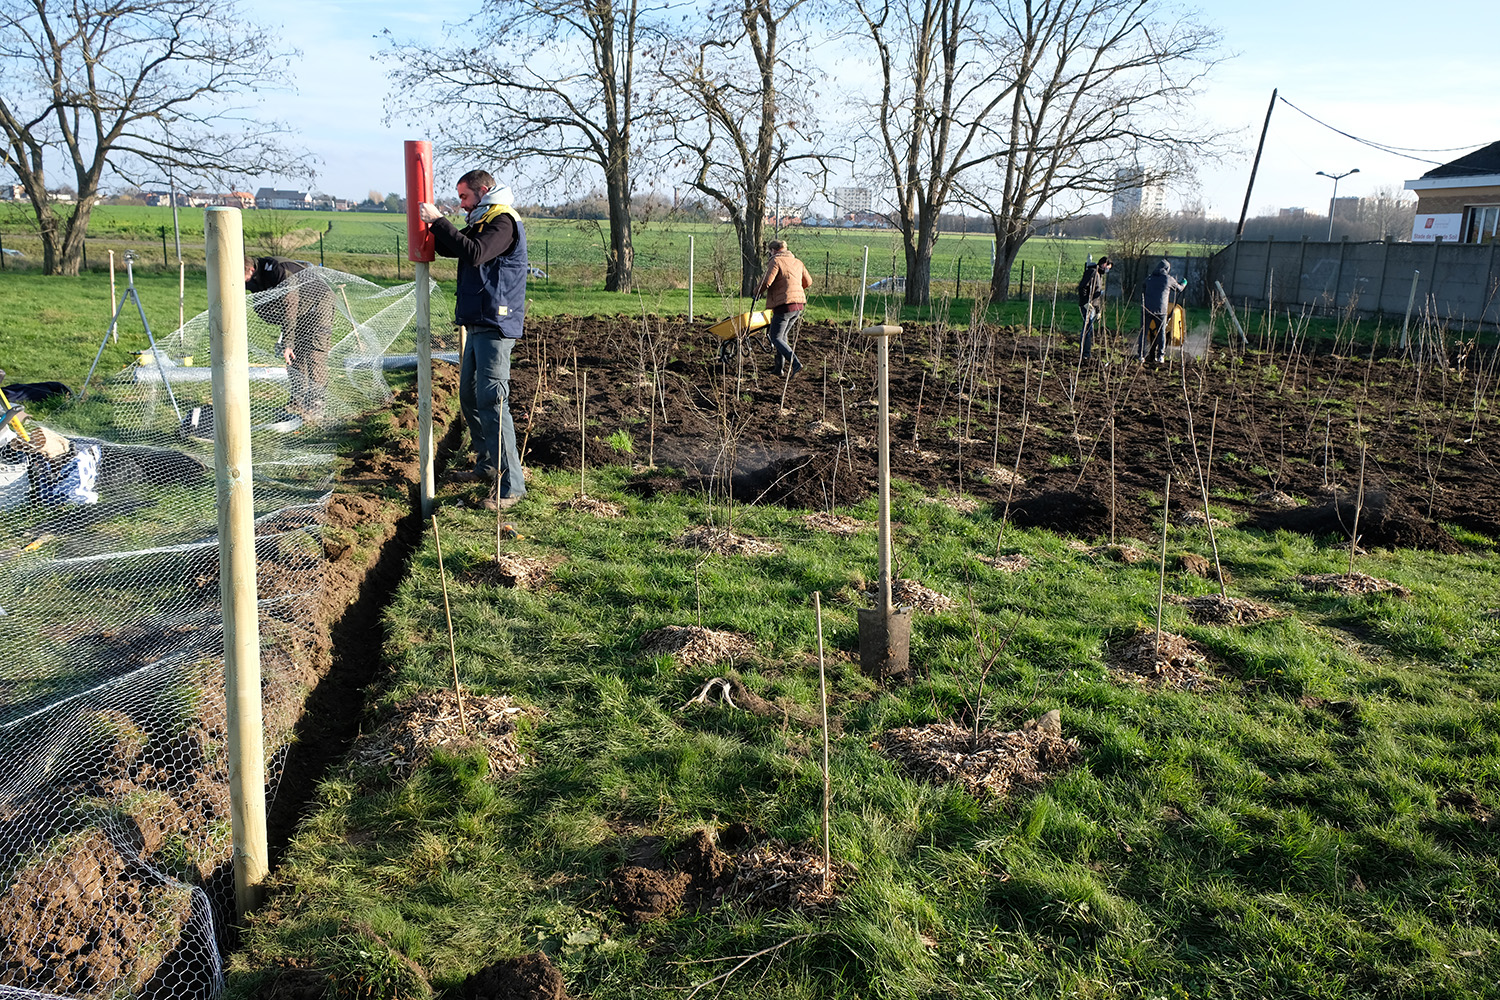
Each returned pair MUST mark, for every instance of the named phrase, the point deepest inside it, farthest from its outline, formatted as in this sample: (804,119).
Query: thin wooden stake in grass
(583,437)
(1359,501)
(458,691)
(1161,574)
(823,700)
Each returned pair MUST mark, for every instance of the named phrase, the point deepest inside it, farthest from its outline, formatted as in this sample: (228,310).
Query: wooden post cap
(883,330)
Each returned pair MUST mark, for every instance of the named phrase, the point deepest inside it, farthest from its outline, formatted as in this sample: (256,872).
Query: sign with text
(1429,228)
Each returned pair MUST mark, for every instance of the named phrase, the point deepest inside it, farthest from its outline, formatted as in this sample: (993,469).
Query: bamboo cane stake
(1161,576)
(458,691)
(823,700)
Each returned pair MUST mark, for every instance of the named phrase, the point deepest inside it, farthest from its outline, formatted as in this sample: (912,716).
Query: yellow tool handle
(15,422)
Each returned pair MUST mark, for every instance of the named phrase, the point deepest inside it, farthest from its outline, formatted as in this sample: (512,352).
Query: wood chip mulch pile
(1177,663)
(1118,553)
(520,572)
(1002,476)
(910,594)
(1013,563)
(997,763)
(430,721)
(1352,583)
(1213,609)
(962,505)
(722,541)
(823,428)
(692,645)
(777,876)
(593,505)
(1276,498)
(835,524)
(1197,519)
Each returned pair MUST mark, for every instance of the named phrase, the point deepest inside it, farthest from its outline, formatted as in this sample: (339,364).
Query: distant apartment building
(1134,194)
(1292,213)
(274,198)
(12,192)
(851,201)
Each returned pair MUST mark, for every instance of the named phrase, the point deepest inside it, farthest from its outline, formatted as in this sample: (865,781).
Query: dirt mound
(811,482)
(552,447)
(1082,513)
(530,977)
(1385,520)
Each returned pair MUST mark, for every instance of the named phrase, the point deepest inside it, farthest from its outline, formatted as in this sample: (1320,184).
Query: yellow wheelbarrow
(730,331)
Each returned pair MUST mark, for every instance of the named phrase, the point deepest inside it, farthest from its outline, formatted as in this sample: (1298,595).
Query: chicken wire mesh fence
(115,843)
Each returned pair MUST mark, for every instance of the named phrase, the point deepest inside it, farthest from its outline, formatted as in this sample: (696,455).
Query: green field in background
(569,250)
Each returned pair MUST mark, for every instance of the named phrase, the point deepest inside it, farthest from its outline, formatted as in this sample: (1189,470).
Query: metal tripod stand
(156,355)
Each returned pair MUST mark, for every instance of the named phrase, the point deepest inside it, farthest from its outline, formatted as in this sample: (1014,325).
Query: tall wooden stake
(233,481)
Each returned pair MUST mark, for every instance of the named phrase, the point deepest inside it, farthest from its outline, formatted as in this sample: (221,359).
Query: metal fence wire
(115,850)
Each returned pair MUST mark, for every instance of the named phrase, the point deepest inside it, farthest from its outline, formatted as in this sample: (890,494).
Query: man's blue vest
(494,294)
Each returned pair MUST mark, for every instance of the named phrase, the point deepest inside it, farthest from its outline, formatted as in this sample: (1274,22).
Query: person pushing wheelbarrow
(785,287)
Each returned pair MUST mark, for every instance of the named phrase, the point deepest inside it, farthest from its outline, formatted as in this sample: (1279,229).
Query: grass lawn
(1306,827)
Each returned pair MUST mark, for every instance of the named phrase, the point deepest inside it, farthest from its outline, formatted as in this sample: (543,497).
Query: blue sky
(1372,69)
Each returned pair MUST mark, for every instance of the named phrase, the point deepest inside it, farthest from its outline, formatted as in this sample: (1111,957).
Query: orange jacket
(784,281)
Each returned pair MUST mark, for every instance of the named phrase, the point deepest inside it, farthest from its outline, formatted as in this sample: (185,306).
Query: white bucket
(15,486)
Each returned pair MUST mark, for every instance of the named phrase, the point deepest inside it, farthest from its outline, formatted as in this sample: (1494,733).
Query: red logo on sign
(1430,221)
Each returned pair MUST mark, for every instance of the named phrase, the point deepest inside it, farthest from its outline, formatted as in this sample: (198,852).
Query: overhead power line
(1401,151)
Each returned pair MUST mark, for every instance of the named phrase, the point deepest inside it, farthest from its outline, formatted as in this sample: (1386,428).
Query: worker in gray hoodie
(1155,301)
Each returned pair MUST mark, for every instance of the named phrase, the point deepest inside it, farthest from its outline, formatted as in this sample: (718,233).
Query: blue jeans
(1090,316)
(782,324)
(484,398)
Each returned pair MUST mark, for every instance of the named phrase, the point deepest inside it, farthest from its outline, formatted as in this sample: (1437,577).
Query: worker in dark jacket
(491,304)
(1091,300)
(1155,301)
(305,314)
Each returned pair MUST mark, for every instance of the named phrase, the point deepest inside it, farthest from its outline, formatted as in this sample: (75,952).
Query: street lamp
(1335,197)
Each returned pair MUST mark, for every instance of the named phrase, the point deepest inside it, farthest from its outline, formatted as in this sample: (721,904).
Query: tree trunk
(919,261)
(752,238)
(1006,252)
(73,235)
(620,265)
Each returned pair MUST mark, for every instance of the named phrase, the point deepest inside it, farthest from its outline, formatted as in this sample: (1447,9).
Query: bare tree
(131,91)
(1387,213)
(944,78)
(557,85)
(1137,236)
(1100,104)
(751,99)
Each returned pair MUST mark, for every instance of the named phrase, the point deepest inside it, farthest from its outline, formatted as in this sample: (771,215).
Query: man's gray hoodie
(1158,285)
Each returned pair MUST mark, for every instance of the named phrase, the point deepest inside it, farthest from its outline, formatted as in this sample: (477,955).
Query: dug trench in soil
(354,596)
(1301,424)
